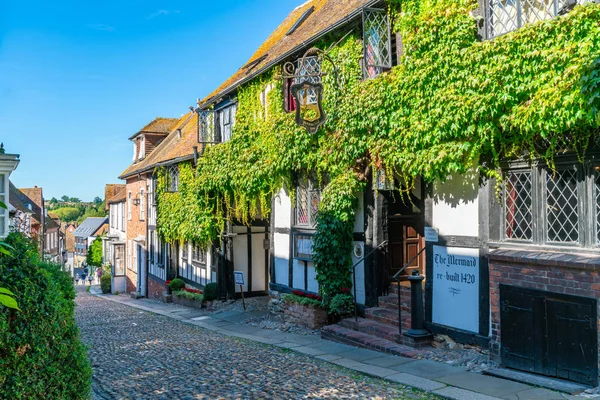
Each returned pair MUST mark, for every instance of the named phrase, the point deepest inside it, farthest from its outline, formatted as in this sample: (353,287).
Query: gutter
(160,164)
(316,37)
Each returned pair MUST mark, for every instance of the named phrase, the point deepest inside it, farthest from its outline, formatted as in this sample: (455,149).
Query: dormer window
(377,42)
(142,141)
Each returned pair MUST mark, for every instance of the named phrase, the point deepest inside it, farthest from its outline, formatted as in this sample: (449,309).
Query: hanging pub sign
(307,88)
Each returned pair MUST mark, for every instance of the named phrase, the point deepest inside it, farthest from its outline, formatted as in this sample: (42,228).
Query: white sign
(239,277)
(456,287)
(431,234)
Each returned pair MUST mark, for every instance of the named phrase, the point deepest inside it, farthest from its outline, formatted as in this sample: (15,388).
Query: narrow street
(139,355)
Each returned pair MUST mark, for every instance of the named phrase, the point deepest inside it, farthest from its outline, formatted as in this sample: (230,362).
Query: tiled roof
(158,125)
(172,148)
(70,245)
(110,191)
(36,195)
(327,14)
(30,203)
(51,223)
(90,226)
(119,197)
(15,197)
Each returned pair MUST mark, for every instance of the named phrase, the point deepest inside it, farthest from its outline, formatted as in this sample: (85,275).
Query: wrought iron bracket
(307,94)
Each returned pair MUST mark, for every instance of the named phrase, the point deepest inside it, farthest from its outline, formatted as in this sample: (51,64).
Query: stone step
(385,315)
(351,337)
(391,302)
(371,327)
(405,289)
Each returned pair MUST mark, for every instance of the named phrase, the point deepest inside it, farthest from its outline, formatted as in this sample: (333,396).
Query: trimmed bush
(41,356)
(210,292)
(105,283)
(190,296)
(177,284)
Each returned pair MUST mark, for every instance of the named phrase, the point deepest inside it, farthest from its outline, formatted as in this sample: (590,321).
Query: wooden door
(405,241)
(549,334)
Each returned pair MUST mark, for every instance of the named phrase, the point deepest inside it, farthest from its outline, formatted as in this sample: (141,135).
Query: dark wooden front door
(405,241)
(549,334)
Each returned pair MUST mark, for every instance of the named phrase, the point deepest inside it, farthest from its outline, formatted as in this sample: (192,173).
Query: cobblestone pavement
(140,355)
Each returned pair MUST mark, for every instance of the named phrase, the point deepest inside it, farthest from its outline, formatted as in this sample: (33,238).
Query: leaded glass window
(308,199)
(518,206)
(309,71)
(507,15)
(206,127)
(562,206)
(377,42)
(172,178)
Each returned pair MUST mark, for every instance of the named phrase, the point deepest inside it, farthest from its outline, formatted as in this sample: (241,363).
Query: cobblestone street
(139,355)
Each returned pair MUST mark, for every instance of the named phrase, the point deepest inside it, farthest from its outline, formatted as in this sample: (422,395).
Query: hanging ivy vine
(453,102)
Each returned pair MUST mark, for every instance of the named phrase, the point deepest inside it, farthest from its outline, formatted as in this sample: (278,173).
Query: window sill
(544,256)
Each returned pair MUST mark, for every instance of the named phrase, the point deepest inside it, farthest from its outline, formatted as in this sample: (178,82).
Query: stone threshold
(537,380)
(441,379)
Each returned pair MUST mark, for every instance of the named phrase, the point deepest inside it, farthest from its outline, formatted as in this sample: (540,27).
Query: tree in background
(67,214)
(97,200)
(94,256)
(65,199)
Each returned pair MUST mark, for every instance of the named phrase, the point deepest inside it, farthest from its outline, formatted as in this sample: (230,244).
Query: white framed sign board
(455,300)
(239,277)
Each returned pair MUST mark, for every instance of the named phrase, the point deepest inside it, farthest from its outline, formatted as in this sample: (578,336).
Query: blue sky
(77,78)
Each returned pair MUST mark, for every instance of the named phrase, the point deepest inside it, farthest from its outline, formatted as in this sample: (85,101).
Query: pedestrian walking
(77,279)
(99,273)
(90,277)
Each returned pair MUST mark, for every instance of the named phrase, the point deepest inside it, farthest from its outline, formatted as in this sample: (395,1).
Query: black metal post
(399,307)
(417,323)
(354,286)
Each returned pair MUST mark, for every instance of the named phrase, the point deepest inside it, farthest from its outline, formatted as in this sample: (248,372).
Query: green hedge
(105,283)
(41,356)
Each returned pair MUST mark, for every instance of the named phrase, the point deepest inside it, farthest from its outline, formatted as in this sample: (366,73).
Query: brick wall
(309,316)
(551,272)
(155,288)
(135,228)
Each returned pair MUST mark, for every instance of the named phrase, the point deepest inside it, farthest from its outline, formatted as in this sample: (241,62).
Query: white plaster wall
(313,285)
(360,275)
(240,255)
(281,210)
(456,206)
(298,268)
(259,267)
(281,253)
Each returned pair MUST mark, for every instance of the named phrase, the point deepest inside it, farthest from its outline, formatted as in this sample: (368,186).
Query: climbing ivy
(453,103)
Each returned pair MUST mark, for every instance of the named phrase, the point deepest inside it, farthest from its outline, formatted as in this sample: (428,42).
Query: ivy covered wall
(451,102)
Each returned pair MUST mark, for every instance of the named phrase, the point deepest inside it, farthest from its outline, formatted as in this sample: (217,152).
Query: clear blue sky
(77,78)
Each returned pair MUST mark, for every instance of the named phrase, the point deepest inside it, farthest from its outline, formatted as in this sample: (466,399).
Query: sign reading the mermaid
(456,287)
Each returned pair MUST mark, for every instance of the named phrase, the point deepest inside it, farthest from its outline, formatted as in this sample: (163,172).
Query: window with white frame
(308,197)
(3,211)
(504,16)
(377,42)
(142,209)
(172,179)
(206,127)
(129,205)
(553,207)
(122,216)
